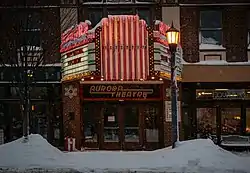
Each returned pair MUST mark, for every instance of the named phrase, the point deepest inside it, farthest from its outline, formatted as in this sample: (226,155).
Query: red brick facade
(234,28)
(72,111)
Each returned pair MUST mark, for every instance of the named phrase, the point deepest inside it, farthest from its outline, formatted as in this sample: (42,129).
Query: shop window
(95,16)
(248,120)
(230,121)
(38,93)
(151,123)
(211,27)
(16,110)
(38,120)
(111,127)
(90,125)
(131,123)
(206,122)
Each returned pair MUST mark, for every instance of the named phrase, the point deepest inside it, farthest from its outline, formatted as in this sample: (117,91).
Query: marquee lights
(98,50)
(151,50)
(96,37)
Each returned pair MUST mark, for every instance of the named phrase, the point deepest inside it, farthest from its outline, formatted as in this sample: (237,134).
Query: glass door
(131,127)
(111,126)
(91,124)
(151,125)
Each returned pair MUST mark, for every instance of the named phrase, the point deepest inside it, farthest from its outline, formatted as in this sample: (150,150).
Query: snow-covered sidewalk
(190,156)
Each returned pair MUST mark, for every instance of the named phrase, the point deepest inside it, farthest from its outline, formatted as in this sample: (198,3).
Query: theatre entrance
(126,125)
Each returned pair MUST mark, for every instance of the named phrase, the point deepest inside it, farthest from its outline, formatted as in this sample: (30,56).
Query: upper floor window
(30,28)
(30,37)
(68,2)
(120,11)
(248,30)
(94,16)
(144,14)
(210,29)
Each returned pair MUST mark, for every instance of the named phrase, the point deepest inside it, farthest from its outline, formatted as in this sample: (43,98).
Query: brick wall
(72,104)
(51,35)
(234,32)
(167,123)
(189,33)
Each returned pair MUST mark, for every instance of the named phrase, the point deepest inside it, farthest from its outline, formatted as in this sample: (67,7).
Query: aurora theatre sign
(120,91)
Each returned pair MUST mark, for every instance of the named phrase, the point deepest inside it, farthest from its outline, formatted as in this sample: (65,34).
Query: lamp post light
(172,35)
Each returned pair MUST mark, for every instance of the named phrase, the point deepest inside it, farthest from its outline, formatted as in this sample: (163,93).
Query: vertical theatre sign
(120,91)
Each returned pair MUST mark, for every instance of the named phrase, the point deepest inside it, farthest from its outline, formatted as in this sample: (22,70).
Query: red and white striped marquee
(125,49)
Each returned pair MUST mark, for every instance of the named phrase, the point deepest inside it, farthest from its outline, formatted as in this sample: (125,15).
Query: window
(120,11)
(131,124)
(248,121)
(29,40)
(90,123)
(68,1)
(206,122)
(248,31)
(230,121)
(211,27)
(95,16)
(30,28)
(151,113)
(144,14)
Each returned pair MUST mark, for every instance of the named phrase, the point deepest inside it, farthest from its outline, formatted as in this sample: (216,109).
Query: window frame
(84,9)
(248,30)
(213,29)
(30,28)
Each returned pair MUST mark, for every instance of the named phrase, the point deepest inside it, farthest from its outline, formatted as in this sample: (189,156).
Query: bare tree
(24,49)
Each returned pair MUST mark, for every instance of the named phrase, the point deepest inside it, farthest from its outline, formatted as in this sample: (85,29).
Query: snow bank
(190,156)
(36,153)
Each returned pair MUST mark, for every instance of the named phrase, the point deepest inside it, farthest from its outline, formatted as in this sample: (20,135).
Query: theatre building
(116,81)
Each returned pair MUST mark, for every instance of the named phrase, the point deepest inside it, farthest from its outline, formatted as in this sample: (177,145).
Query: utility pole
(26,94)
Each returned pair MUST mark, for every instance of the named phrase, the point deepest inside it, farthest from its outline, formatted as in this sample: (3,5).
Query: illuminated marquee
(124,48)
(120,47)
(162,55)
(121,91)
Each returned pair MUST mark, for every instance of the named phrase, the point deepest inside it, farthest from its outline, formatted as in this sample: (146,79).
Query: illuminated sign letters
(118,91)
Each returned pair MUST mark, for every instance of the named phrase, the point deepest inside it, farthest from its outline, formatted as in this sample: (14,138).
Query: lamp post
(172,35)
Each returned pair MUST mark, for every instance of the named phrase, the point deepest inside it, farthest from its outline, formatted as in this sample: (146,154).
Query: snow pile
(190,156)
(36,153)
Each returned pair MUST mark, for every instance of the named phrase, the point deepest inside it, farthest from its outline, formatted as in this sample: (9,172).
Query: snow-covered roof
(216,62)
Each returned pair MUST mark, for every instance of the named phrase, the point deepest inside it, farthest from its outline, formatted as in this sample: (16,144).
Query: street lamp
(172,35)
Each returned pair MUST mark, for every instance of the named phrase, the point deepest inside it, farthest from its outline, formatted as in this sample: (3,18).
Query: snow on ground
(190,156)
(33,154)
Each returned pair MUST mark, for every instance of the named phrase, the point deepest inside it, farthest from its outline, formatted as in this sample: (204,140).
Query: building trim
(121,82)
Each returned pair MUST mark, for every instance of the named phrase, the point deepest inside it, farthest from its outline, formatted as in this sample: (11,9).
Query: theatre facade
(116,84)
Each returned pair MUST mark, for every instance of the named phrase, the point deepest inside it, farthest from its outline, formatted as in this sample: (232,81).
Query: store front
(127,118)
(216,111)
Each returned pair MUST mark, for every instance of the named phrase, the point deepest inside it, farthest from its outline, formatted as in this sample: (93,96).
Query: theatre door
(124,125)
